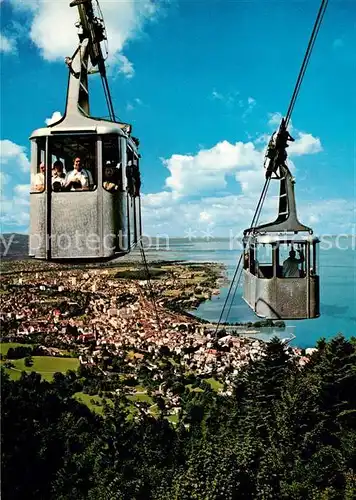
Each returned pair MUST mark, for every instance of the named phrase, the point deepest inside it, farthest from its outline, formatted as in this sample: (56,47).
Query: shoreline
(101,313)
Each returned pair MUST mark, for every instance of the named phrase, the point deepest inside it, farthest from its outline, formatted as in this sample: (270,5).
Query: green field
(46,366)
(173,419)
(4,347)
(141,397)
(87,400)
(133,411)
(215,384)
(196,389)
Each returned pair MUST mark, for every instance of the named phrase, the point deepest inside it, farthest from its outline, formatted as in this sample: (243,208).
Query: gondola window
(76,158)
(112,164)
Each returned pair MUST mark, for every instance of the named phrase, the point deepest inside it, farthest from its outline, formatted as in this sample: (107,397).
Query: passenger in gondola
(58,176)
(136,179)
(79,179)
(246,260)
(38,183)
(130,178)
(111,177)
(291,265)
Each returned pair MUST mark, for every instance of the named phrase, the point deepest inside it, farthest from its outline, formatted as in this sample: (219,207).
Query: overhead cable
(152,295)
(307,55)
(253,224)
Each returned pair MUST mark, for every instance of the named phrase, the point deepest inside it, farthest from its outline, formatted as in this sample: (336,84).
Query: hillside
(13,246)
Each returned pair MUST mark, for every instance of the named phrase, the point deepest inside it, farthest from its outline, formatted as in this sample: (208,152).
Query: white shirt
(84,177)
(38,181)
(57,178)
(290,267)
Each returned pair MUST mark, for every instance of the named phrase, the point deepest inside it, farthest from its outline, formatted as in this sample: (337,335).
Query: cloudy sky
(204,85)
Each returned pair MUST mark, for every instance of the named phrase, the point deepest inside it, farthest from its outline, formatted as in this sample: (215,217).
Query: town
(119,320)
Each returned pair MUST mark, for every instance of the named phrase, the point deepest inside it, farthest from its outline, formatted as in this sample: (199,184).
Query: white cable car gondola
(277,285)
(85,178)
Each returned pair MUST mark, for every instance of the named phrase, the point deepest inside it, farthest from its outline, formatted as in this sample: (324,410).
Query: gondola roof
(77,124)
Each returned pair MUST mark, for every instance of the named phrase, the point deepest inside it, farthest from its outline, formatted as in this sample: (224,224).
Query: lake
(337,270)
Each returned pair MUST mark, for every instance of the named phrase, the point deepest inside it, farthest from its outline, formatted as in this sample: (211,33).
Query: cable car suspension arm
(276,150)
(93,28)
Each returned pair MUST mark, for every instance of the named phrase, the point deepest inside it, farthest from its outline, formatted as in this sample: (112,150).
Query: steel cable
(252,226)
(306,59)
(152,295)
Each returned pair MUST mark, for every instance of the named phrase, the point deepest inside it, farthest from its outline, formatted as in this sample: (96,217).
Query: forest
(287,432)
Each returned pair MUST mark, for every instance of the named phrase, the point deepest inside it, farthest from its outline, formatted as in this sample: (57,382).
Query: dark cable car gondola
(276,285)
(85,182)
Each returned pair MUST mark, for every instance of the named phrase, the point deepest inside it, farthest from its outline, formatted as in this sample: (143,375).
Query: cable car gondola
(85,177)
(276,283)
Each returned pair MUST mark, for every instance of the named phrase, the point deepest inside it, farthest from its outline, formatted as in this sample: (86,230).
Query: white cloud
(14,194)
(57,115)
(158,200)
(304,144)
(123,65)
(274,119)
(220,213)
(216,95)
(21,191)
(251,180)
(228,99)
(205,217)
(329,216)
(251,104)
(207,170)
(124,21)
(14,212)
(229,215)
(233,99)
(4,180)
(7,45)
(188,202)
(313,219)
(9,151)
(134,104)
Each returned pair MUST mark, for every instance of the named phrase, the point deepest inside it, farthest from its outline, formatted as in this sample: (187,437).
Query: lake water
(337,270)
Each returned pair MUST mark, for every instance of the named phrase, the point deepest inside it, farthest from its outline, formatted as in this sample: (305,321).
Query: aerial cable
(253,224)
(106,89)
(233,296)
(257,216)
(306,59)
(152,295)
(260,204)
(228,295)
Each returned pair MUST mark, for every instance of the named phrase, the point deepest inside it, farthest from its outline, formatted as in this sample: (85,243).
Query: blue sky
(202,83)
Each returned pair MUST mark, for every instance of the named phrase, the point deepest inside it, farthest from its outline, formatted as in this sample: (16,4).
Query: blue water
(337,270)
